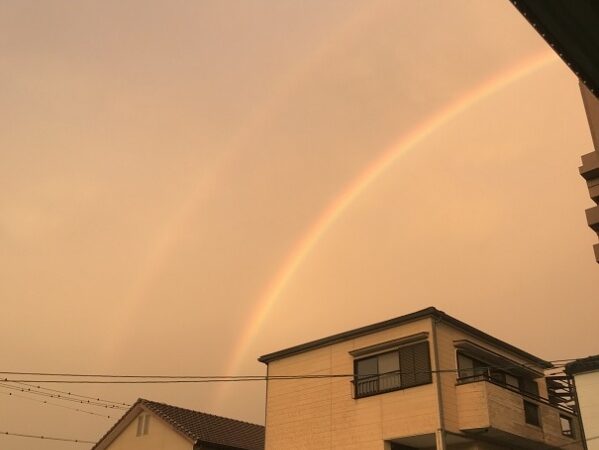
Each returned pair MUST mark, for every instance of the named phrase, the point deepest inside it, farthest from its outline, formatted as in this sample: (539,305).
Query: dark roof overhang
(588,364)
(571,28)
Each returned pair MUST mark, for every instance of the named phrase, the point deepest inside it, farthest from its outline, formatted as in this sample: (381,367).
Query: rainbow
(348,195)
(166,237)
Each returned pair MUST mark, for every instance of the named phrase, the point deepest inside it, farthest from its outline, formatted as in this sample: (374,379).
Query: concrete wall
(160,437)
(587,388)
(483,405)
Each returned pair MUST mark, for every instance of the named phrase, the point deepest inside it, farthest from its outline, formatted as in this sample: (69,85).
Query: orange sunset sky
(187,185)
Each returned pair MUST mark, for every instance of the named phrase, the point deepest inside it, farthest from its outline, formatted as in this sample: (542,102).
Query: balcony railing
(367,385)
(377,384)
(488,376)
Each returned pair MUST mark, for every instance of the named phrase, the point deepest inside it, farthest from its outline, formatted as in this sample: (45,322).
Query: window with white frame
(401,368)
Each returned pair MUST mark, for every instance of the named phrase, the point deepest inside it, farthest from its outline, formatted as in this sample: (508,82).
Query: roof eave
(430,312)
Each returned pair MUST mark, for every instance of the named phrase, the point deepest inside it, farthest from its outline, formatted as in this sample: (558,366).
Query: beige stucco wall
(483,405)
(321,414)
(587,387)
(160,437)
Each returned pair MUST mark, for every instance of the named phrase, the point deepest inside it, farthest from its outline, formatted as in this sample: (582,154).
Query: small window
(529,386)
(498,376)
(143,424)
(567,428)
(512,381)
(471,369)
(531,413)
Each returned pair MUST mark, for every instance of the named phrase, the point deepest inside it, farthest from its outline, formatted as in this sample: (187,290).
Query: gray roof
(424,313)
(570,28)
(198,427)
(581,365)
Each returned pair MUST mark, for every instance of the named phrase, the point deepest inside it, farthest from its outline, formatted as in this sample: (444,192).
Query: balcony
(508,416)
(593,218)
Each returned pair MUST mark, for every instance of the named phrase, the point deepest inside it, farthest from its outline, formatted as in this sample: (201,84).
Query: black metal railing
(487,375)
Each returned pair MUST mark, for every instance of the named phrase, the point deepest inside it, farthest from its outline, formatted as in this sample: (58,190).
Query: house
(150,425)
(585,372)
(421,381)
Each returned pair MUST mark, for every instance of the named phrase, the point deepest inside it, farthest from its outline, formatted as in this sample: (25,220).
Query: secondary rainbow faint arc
(169,234)
(337,207)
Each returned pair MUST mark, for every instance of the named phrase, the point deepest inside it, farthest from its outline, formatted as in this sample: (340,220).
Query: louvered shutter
(415,365)
(422,363)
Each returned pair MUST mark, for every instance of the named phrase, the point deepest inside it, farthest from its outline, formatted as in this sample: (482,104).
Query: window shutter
(415,365)
(422,363)
(407,367)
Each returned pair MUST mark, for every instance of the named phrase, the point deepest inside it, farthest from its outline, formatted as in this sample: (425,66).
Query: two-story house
(424,380)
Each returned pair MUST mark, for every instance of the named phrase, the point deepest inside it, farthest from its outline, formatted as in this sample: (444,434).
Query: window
(512,381)
(143,424)
(471,368)
(529,386)
(406,367)
(531,413)
(567,428)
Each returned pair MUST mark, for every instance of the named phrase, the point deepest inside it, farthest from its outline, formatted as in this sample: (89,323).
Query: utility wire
(558,362)
(45,402)
(223,379)
(76,395)
(60,397)
(48,438)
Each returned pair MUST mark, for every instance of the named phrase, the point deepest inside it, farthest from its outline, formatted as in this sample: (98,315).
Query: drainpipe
(440,433)
(266,403)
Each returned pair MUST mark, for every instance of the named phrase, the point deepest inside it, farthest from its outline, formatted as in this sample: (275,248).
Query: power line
(76,395)
(559,362)
(75,378)
(45,402)
(225,379)
(48,438)
(187,381)
(60,397)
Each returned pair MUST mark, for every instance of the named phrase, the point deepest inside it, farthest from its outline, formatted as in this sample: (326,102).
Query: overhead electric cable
(60,397)
(72,378)
(45,402)
(76,395)
(199,377)
(48,438)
